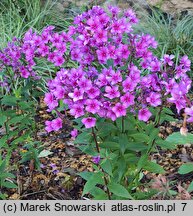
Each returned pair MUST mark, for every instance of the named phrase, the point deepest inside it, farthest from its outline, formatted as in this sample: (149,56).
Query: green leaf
(110,145)
(168,111)
(149,128)
(44,153)
(9,100)
(6,175)
(166,117)
(119,190)
(105,128)
(16,119)
(96,178)
(153,167)
(136,146)
(107,167)
(9,113)
(25,105)
(8,184)
(3,196)
(142,161)
(164,144)
(123,142)
(99,194)
(19,139)
(2,166)
(190,187)
(154,134)
(83,138)
(3,141)
(173,193)
(85,175)
(3,119)
(121,167)
(140,137)
(177,138)
(186,168)
(131,158)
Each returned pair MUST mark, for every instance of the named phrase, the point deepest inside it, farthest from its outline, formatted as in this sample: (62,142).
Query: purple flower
(155,66)
(154,99)
(96,159)
(123,51)
(53,165)
(128,85)
(77,111)
(144,114)
(89,122)
(43,50)
(58,60)
(74,133)
(76,55)
(48,127)
(94,25)
(117,27)
(55,171)
(112,92)
(76,95)
(189,111)
(185,62)
(92,106)
(119,110)
(59,92)
(85,84)
(178,97)
(56,124)
(93,92)
(167,59)
(50,101)
(103,54)
(101,36)
(115,77)
(127,100)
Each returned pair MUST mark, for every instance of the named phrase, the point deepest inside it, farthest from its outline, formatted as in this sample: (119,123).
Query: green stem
(98,150)
(123,126)
(95,139)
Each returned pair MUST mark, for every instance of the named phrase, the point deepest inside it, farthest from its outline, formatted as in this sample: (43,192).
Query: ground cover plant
(118,91)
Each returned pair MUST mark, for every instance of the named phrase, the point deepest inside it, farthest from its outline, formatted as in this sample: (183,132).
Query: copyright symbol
(9,207)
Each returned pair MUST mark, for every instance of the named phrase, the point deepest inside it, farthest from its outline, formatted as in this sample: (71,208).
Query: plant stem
(159,116)
(95,139)
(123,126)
(98,150)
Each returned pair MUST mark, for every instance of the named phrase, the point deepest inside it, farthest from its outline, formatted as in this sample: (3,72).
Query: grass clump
(174,35)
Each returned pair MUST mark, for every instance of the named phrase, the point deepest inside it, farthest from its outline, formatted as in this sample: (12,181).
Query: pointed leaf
(96,178)
(177,138)
(119,190)
(107,167)
(190,187)
(153,167)
(186,168)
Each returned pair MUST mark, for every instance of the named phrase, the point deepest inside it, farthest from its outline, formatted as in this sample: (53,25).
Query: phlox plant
(116,89)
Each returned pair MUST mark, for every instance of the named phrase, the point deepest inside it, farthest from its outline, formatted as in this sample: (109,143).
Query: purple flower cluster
(135,80)
(22,55)
(116,71)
